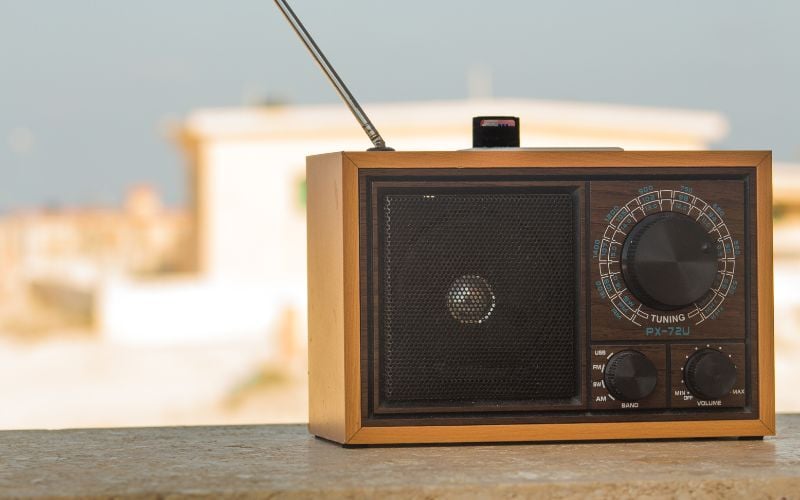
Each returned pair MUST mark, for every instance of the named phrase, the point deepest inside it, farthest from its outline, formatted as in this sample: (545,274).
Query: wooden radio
(507,294)
(539,295)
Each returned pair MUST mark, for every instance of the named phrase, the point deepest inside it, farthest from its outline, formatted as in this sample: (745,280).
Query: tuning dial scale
(666,257)
(628,377)
(707,375)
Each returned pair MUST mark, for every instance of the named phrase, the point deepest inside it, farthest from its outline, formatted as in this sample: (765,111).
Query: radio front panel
(533,295)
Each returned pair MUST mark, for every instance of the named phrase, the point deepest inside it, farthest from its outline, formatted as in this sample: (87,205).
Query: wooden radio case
(535,295)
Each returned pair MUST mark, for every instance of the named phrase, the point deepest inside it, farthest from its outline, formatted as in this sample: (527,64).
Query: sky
(86,87)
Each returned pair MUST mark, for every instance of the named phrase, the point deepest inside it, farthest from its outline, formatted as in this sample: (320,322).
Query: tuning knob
(630,376)
(709,374)
(669,261)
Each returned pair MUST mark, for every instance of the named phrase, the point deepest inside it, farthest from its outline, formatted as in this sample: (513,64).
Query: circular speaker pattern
(470,299)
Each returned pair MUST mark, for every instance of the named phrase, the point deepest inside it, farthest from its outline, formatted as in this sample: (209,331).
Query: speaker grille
(477,298)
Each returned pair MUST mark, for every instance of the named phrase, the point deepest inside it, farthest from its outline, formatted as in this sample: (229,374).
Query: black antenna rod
(337,82)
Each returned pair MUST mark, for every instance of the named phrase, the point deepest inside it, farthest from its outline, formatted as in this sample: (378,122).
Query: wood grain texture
(352,307)
(334,297)
(533,158)
(558,432)
(326,301)
(766,348)
(727,194)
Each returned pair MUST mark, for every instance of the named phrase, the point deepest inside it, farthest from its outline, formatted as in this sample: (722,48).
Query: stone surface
(284,461)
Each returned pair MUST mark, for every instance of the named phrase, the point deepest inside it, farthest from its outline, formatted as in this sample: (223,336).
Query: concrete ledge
(285,462)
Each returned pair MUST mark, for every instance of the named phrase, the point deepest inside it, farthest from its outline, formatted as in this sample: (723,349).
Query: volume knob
(709,374)
(630,376)
(669,261)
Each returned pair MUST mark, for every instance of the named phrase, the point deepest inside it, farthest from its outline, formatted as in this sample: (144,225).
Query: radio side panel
(326,363)
(766,338)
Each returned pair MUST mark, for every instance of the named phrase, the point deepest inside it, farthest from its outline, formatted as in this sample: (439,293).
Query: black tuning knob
(630,376)
(709,374)
(669,261)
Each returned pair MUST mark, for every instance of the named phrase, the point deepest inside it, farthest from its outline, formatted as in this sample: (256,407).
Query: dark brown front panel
(431,237)
(616,208)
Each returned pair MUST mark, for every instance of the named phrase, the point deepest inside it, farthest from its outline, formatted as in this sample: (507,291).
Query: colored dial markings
(621,221)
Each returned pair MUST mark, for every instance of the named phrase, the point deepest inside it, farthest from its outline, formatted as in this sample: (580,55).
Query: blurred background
(152,193)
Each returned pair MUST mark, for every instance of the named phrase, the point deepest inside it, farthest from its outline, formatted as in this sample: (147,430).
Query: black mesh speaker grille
(477,295)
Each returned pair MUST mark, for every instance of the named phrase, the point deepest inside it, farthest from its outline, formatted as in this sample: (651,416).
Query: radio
(506,294)
(539,295)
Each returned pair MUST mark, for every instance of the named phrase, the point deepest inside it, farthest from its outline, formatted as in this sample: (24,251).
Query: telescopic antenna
(337,82)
